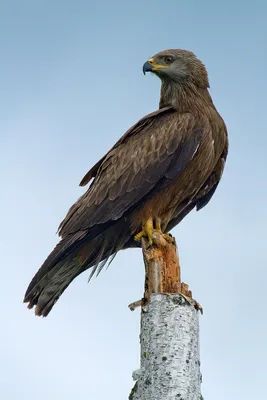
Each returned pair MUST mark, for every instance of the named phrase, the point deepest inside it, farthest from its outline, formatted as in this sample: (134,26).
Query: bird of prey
(164,166)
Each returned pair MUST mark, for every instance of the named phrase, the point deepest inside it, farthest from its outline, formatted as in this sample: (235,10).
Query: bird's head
(178,66)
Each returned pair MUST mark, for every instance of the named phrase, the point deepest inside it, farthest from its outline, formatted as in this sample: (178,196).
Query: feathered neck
(185,97)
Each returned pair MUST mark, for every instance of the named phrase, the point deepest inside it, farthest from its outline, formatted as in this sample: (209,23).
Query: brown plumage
(168,163)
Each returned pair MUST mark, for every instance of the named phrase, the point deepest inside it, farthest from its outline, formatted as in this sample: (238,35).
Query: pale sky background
(71,85)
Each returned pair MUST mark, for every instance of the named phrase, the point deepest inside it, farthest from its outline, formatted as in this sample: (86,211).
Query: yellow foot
(168,237)
(147,231)
(139,235)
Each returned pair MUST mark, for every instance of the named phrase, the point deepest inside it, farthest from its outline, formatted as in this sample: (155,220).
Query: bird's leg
(158,225)
(147,231)
(167,236)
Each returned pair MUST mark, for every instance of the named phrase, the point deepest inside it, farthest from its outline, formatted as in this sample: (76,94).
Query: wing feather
(159,147)
(148,119)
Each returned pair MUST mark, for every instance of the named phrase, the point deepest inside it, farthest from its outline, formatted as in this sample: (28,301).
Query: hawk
(164,166)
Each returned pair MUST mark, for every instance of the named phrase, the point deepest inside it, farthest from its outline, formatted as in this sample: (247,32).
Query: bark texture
(170,365)
(161,266)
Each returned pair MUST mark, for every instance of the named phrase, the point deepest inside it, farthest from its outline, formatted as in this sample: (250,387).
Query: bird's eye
(168,59)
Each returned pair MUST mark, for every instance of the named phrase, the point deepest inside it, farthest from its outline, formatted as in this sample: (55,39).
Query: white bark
(170,366)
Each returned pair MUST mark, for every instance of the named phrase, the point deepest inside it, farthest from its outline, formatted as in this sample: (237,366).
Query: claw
(169,238)
(139,235)
(147,231)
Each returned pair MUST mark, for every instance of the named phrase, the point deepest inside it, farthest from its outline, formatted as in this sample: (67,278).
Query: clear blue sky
(71,85)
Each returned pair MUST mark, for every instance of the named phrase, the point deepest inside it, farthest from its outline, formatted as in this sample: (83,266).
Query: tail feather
(62,249)
(46,293)
(57,273)
(111,248)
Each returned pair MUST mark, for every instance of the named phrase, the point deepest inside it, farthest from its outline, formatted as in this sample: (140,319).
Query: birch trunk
(170,365)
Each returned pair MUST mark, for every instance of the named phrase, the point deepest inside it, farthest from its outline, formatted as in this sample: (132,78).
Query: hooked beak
(147,67)
(151,66)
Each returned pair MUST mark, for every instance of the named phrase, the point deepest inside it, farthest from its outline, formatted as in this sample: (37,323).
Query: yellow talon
(169,238)
(139,236)
(147,231)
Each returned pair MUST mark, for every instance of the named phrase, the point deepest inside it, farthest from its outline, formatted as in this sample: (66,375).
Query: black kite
(168,163)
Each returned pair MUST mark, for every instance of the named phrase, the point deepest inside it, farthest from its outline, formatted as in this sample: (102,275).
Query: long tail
(68,260)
